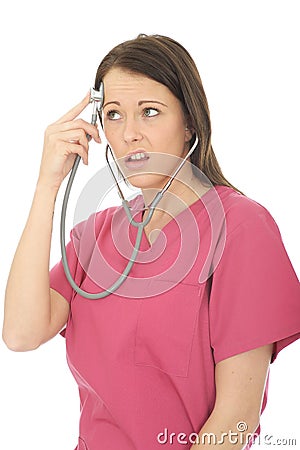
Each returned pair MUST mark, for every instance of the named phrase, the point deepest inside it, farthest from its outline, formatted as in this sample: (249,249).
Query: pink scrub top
(216,282)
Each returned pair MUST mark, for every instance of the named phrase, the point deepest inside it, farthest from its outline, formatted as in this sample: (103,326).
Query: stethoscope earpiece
(97,98)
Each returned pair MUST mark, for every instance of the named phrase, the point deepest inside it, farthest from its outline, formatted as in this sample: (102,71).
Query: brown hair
(168,62)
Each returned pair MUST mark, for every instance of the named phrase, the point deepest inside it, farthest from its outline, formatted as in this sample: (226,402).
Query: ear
(188,134)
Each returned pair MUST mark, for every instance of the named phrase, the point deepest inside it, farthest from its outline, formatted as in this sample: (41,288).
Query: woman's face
(145,127)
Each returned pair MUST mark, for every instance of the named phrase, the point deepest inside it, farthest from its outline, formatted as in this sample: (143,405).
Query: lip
(137,164)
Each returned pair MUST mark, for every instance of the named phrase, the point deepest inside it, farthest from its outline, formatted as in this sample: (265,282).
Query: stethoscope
(97,97)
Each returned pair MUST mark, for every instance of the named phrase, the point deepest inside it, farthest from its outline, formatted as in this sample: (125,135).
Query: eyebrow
(141,102)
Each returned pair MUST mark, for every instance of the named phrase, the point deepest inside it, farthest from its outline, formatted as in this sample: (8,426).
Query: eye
(113,115)
(151,112)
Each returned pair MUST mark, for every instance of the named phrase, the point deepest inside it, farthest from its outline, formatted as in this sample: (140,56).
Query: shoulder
(241,211)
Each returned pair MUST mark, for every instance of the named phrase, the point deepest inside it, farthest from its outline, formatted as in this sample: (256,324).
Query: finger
(75,111)
(77,149)
(76,125)
(74,136)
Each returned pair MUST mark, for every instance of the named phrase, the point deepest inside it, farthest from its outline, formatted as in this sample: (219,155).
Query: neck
(184,190)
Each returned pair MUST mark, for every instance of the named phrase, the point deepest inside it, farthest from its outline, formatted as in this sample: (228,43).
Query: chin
(147,181)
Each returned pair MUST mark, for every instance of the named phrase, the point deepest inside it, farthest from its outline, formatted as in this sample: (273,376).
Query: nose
(131,131)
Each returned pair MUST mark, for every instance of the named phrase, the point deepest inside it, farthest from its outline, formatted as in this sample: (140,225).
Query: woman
(180,353)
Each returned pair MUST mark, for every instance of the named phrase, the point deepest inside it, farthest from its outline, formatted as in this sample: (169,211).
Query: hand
(64,140)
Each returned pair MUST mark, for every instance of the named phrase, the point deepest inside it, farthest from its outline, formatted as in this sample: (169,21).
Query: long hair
(168,62)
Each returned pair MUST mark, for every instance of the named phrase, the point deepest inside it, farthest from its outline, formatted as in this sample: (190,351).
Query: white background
(247,53)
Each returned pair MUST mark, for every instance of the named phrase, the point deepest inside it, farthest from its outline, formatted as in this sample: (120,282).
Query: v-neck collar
(138,206)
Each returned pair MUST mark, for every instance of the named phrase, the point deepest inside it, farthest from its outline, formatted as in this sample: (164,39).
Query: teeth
(137,156)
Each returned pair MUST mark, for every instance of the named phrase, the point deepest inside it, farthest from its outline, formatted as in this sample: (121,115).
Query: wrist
(45,189)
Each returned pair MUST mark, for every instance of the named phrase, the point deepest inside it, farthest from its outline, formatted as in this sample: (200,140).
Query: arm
(240,382)
(33,313)
(27,297)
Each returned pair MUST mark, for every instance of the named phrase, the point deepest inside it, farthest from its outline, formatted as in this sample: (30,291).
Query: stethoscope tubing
(139,225)
(68,274)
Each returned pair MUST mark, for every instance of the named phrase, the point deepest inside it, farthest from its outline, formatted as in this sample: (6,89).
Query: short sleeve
(58,279)
(255,293)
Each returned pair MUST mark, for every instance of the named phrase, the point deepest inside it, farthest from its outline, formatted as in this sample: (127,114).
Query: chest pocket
(166,328)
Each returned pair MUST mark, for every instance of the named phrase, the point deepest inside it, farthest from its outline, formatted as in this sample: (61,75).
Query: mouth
(136,160)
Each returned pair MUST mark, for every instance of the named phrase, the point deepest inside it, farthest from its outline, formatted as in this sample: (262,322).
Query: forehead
(119,83)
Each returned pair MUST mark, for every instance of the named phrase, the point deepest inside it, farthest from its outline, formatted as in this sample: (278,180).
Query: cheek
(112,136)
(169,133)
(173,142)
(108,130)
(174,130)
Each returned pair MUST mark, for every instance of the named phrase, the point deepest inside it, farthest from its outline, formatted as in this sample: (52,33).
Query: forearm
(221,432)
(27,313)
(27,297)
